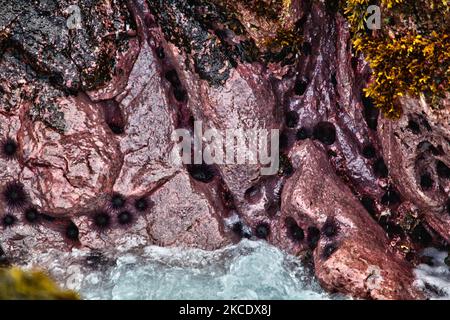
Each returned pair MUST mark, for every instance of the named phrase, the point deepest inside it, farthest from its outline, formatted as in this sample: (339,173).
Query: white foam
(435,279)
(249,270)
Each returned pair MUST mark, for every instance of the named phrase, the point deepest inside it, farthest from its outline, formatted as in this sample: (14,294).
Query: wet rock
(149,123)
(346,262)
(182,216)
(93,109)
(71,42)
(24,243)
(23,88)
(125,60)
(414,156)
(337,105)
(243,103)
(68,171)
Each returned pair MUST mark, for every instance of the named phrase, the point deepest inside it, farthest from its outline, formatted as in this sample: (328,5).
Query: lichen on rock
(409,55)
(17,284)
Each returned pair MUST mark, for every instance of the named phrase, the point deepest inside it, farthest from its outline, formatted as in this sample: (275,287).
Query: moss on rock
(16,284)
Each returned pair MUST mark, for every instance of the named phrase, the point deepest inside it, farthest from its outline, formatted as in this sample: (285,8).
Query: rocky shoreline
(88,161)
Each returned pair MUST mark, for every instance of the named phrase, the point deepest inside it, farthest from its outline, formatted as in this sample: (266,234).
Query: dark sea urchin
(325,132)
(72,232)
(330,228)
(9,148)
(14,195)
(262,230)
(125,217)
(102,220)
(201,172)
(31,215)
(302,134)
(117,201)
(295,232)
(141,204)
(8,220)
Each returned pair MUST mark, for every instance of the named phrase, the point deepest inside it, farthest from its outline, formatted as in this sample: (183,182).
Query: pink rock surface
(353,251)
(66,172)
(76,148)
(414,153)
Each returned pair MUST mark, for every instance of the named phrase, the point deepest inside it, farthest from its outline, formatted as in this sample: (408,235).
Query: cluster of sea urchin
(15,199)
(13,193)
(117,207)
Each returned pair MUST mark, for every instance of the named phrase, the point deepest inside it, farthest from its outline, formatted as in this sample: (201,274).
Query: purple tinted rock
(413,155)
(344,260)
(332,195)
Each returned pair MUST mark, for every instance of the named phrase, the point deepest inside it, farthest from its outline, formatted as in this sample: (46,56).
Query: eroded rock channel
(87,159)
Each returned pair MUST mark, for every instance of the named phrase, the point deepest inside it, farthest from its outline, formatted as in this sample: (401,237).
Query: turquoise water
(435,279)
(249,270)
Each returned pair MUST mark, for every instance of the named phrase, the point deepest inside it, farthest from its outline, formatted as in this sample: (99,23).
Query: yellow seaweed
(17,284)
